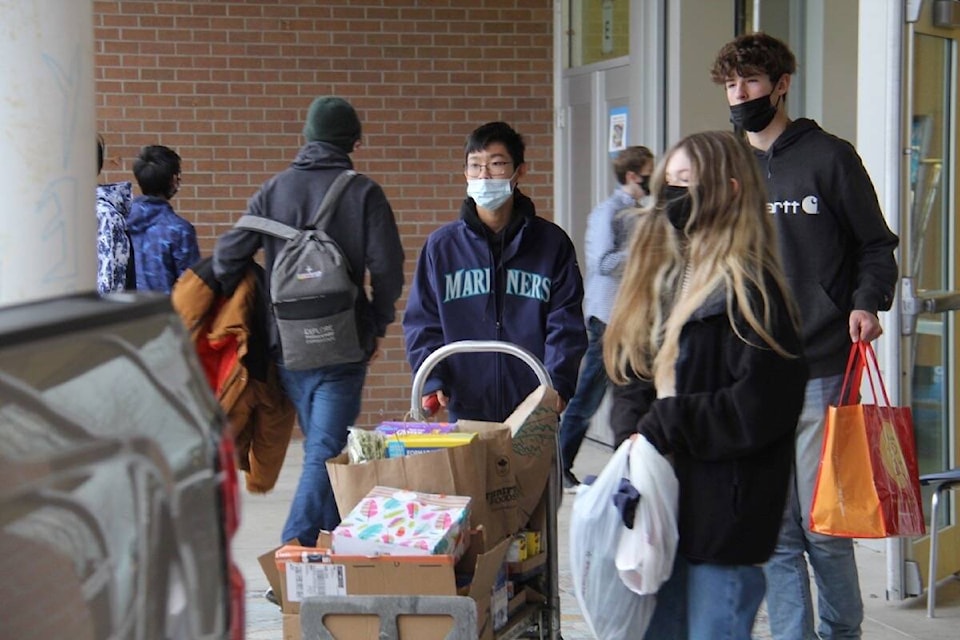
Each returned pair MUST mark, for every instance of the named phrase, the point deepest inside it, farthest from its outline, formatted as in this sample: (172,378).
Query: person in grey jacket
(327,398)
(608,229)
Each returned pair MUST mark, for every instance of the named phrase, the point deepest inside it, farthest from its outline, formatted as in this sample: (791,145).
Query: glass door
(928,266)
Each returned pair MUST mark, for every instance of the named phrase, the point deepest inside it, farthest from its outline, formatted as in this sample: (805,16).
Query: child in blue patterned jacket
(164,244)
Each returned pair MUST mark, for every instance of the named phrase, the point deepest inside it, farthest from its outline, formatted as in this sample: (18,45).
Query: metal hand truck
(544,618)
(547,616)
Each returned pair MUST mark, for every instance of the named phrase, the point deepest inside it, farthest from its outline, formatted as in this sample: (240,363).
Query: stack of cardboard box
(502,473)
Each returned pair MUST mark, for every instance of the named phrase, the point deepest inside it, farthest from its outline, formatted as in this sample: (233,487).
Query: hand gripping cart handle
(549,615)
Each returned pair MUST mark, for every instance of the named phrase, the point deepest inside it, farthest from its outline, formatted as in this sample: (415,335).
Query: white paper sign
(618,129)
(305,579)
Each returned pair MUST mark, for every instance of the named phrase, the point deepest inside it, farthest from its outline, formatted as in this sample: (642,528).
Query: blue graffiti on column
(59,197)
(54,207)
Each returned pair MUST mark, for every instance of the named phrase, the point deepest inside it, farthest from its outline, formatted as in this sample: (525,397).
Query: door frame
(884,123)
(913,302)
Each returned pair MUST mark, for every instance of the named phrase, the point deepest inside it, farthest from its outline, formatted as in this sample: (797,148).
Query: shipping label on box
(394,522)
(305,579)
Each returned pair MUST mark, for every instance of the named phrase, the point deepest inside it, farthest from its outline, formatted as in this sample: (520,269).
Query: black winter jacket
(730,429)
(363,226)
(836,248)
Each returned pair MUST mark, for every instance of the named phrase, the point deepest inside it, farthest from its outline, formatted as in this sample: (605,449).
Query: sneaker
(570,482)
(271,597)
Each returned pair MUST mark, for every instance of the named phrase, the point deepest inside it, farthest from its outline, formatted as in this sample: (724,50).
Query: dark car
(118,493)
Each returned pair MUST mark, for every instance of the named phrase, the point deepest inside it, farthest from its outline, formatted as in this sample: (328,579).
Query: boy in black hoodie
(327,398)
(838,256)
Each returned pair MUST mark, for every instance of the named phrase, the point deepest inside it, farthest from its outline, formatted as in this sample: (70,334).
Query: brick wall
(226,84)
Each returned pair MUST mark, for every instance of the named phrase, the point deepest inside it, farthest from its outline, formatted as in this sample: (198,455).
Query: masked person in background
(500,272)
(838,256)
(704,349)
(606,244)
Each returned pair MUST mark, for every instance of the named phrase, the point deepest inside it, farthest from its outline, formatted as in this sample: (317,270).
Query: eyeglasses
(496,169)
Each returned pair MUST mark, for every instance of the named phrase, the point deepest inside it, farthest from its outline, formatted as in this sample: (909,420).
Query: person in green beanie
(327,398)
(333,120)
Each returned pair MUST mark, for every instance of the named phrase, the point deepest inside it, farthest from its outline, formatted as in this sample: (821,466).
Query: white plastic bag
(645,553)
(612,611)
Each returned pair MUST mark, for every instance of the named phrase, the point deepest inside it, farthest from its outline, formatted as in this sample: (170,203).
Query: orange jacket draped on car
(231,341)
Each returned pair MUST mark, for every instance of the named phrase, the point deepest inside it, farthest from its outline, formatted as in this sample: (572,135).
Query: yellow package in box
(412,443)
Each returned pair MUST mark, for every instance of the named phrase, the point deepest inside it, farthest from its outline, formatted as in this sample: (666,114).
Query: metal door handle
(913,304)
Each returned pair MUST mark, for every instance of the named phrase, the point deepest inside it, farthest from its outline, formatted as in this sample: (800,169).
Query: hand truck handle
(470,346)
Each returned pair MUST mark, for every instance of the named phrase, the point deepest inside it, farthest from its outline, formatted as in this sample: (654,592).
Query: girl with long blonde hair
(704,350)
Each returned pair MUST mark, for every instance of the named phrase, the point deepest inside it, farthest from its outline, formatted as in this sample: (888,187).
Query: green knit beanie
(332,119)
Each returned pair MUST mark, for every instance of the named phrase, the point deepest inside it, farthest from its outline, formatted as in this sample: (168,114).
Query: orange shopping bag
(867,485)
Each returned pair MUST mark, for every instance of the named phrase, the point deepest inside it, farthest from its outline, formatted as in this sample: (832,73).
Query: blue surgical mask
(489,193)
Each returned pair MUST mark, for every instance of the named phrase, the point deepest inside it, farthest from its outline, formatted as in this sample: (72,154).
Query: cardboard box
(396,575)
(291,626)
(516,602)
(368,575)
(527,568)
(392,521)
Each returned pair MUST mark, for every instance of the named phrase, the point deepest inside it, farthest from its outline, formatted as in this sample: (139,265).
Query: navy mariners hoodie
(522,286)
(837,251)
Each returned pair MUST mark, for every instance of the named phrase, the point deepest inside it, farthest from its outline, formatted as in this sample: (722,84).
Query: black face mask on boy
(677,205)
(645,184)
(753,115)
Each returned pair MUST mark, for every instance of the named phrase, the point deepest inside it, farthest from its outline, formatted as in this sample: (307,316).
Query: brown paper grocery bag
(461,470)
(533,425)
(502,486)
(504,471)
(517,477)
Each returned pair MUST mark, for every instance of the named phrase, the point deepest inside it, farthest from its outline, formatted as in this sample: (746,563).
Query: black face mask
(678,206)
(753,115)
(645,184)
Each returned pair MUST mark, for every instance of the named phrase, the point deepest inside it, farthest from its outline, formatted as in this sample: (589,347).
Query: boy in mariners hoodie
(500,272)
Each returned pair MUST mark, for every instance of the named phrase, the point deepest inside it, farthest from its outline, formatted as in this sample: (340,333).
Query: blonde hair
(729,243)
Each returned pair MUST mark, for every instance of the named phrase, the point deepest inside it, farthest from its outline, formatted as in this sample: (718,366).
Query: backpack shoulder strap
(331,199)
(267,226)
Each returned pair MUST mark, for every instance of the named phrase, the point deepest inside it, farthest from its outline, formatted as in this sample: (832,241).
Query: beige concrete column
(48,158)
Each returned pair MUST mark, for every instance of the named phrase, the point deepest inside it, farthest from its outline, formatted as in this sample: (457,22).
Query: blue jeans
(591,385)
(327,402)
(707,602)
(789,602)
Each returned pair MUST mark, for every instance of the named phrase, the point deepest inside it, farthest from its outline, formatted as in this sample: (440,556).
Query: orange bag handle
(852,377)
(861,357)
(867,353)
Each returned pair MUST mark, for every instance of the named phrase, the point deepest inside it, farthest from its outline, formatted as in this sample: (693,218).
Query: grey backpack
(311,291)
